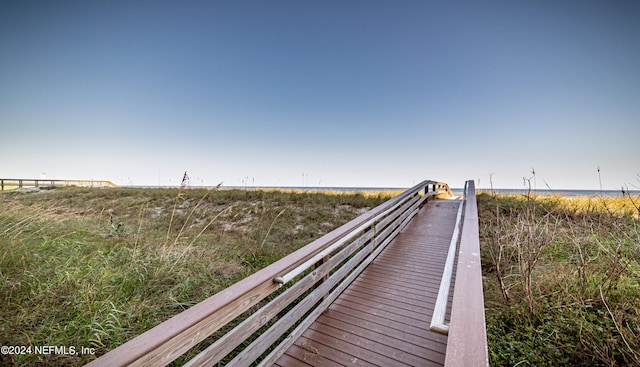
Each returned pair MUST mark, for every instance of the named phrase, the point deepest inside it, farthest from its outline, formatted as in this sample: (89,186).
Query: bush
(562,280)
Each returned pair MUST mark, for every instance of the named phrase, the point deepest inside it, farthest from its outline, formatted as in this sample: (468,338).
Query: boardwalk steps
(363,294)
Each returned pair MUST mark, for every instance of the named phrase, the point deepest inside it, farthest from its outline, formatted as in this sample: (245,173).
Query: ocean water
(564,192)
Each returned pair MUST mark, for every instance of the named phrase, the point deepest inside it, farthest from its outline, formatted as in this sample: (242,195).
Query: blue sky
(321,93)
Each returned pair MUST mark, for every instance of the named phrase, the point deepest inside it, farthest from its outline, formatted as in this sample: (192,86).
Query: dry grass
(562,279)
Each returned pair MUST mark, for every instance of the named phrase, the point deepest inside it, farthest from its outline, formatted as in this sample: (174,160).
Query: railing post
(324,278)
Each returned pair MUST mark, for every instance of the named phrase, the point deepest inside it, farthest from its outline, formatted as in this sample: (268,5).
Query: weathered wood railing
(16,183)
(291,294)
(467,342)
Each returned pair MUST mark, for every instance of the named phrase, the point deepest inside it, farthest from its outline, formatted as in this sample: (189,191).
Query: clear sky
(321,93)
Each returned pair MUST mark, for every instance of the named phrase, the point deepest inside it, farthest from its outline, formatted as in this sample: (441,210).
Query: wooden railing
(467,342)
(290,294)
(438,323)
(16,183)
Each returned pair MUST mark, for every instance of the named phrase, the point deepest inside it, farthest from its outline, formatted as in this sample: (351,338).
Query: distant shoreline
(457,191)
(563,192)
(338,189)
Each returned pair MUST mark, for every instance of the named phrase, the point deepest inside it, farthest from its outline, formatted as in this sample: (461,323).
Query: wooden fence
(255,320)
(17,183)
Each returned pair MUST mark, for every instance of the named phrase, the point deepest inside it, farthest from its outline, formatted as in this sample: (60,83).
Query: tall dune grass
(95,267)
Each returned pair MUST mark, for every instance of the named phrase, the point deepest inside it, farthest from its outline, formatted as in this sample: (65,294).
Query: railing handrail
(172,338)
(467,341)
(438,324)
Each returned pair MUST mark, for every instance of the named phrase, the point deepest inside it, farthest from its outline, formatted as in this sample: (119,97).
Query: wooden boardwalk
(362,295)
(383,317)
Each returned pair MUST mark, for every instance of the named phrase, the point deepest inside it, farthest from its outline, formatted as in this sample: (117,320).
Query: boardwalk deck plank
(383,317)
(407,336)
(377,283)
(391,297)
(407,329)
(407,352)
(307,355)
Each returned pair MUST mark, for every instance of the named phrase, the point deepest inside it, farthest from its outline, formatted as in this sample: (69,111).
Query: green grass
(95,267)
(561,279)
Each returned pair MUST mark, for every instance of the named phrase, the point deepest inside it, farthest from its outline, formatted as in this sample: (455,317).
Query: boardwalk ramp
(383,317)
(367,294)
